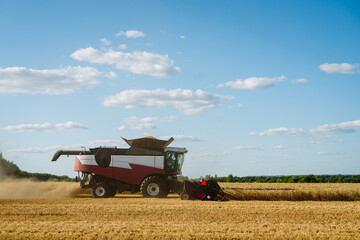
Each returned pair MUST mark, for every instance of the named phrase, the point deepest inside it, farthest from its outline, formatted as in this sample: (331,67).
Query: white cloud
(300,80)
(324,130)
(105,41)
(111,75)
(137,62)
(182,37)
(131,34)
(184,138)
(122,128)
(280,131)
(343,127)
(280,147)
(247,148)
(54,81)
(170,118)
(39,127)
(139,123)
(135,122)
(122,46)
(253,83)
(239,105)
(185,100)
(344,68)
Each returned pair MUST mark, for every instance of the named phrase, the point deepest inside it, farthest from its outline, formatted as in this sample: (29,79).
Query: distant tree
(332,179)
(230,178)
(260,180)
(182,178)
(207,177)
(307,179)
(272,180)
(8,168)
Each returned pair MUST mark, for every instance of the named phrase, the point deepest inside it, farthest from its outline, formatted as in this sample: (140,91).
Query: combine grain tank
(148,166)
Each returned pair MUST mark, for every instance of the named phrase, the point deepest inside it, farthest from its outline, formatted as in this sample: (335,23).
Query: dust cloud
(13,187)
(25,188)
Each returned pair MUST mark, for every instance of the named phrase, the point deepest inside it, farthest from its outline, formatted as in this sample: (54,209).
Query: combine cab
(148,166)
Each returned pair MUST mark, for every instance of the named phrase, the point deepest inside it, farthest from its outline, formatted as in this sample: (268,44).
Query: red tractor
(148,166)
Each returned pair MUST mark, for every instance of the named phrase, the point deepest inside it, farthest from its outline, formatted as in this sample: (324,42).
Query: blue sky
(248,87)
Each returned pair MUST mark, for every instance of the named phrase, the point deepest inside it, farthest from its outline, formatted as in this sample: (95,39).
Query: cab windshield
(174,161)
(180,161)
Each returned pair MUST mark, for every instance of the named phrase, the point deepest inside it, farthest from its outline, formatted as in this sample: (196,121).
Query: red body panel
(132,176)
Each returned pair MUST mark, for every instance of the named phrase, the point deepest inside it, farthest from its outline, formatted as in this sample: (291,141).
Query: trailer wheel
(103,157)
(184,196)
(101,190)
(154,187)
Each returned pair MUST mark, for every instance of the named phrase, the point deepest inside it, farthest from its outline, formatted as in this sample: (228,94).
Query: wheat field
(293,191)
(78,215)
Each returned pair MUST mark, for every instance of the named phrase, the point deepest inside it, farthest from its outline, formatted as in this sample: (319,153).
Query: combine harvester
(148,166)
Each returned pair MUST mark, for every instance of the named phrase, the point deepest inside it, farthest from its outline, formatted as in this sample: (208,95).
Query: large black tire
(112,192)
(101,190)
(103,157)
(154,187)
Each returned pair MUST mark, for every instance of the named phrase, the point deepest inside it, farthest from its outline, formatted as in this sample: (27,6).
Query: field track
(134,217)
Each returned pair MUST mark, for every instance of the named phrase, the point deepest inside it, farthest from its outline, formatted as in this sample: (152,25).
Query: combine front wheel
(154,187)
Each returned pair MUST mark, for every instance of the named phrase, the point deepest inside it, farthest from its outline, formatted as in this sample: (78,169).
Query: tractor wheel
(184,196)
(154,187)
(101,190)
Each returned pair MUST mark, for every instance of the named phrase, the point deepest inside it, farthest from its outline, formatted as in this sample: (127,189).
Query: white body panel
(87,159)
(124,161)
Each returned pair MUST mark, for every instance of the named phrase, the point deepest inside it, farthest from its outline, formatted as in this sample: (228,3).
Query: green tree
(230,178)
(8,168)
(207,177)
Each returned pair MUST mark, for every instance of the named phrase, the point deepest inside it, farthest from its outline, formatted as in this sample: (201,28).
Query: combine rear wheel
(154,187)
(101,190)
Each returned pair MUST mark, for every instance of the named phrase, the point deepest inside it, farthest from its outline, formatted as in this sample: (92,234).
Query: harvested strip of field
(292,191)
(133,217)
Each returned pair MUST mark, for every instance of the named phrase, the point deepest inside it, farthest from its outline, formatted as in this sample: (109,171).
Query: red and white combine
(148,166)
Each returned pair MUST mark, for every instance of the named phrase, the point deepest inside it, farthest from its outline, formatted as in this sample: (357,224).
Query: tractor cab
(174,159)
